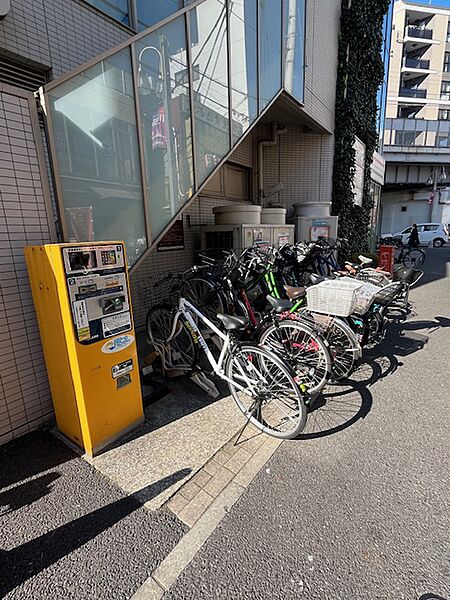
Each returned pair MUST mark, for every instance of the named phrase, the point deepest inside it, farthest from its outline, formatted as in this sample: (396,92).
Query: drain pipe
(275,133)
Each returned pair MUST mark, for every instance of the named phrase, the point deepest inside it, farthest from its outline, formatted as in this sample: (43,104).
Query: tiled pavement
(238,460)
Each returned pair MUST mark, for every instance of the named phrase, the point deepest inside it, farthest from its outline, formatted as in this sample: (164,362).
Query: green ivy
(360,74)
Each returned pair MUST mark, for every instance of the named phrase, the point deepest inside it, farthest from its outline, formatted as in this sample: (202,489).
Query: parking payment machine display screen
(98,291)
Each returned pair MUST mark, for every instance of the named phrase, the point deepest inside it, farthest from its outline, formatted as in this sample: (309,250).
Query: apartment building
(417,125)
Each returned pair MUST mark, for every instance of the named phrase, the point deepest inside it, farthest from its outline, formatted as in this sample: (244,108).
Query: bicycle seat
(279,304)
(231,322)
(294,293)
(314,279)
(364,260)
(352,265)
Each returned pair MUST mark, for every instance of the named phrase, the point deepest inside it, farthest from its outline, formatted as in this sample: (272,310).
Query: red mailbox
(386,255)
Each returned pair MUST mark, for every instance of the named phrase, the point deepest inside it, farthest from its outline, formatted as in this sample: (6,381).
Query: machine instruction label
(81,320)
(116,324)
(122,368)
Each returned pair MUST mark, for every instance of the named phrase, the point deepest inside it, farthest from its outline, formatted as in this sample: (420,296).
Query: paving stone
(220,480)
(253,443)
(196,507)
(212,467)
(190,489)
(201,478)
(223,456)
(237,461)
(177,503)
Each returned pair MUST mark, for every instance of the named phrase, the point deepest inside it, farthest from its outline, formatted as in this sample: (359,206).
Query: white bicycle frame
(186,309)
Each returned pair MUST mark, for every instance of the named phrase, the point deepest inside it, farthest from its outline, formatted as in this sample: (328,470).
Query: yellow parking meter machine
(81,295)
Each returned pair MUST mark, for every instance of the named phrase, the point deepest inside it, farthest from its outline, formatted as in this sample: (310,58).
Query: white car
(436,233)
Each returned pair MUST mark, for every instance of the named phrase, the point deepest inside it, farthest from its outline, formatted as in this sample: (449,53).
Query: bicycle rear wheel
(182,351)
(414,258)
(343,344)
(304,349)
(266,392)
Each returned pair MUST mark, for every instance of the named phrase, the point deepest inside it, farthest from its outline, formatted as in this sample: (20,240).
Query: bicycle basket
(388,293)
(155,290)
(365,297)
(334,297)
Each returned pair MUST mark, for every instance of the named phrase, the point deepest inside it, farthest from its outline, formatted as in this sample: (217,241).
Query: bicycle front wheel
(414,258)
(303,349)
(266,392)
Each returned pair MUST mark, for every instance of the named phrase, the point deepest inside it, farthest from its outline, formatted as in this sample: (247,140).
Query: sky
(445,3)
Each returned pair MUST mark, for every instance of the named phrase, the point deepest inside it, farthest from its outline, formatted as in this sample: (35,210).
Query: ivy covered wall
(360,73)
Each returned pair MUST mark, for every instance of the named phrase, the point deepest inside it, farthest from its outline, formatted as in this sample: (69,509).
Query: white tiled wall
(24,393)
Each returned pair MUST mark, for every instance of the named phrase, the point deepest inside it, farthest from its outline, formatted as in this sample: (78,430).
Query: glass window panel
(210,85)
(294,44)
(118,9)
(150,12)
(166,121)
(243,52)
(94,128)
(269,50)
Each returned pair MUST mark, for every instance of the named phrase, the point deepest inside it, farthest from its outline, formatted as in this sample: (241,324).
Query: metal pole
(435,186)
(290,45)
(173,188)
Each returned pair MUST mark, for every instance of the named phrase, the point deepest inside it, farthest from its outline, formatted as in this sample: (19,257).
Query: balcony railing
(416,63)
(413,93)
(415,134)
(419,32)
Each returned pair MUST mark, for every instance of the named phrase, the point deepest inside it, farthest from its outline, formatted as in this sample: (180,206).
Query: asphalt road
(67,533)
(359,508)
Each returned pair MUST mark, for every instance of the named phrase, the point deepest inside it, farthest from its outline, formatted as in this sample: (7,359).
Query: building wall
(25,214)
(322,38)
(58,34)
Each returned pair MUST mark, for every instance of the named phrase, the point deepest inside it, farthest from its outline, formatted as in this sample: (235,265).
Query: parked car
(437,233)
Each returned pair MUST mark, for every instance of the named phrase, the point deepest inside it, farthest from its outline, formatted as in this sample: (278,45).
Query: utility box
(82,300)
(309,229)
(215,238)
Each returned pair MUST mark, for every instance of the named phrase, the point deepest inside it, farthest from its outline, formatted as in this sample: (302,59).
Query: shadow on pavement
(26,493)
(340,407)
(28,559)
(18,463)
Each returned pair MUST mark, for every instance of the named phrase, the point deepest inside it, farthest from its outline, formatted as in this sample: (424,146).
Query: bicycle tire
(414,258)
(183,348)
(344,347)
(275,391)
(303,348)
(204,296)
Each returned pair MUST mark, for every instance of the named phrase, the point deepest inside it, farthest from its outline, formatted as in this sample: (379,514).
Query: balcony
(416,135)
(415,63)
(419,32)
(412,93)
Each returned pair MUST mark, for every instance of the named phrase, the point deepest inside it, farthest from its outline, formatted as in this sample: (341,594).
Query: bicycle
(263,386)
(411,258)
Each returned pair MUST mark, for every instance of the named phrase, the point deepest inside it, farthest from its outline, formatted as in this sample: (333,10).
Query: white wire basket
(365,297)
(335,297)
